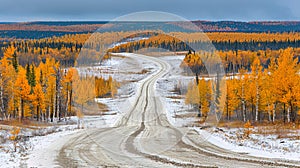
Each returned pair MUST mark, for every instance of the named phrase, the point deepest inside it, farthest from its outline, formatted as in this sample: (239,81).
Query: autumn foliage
(257,93)
(45,91)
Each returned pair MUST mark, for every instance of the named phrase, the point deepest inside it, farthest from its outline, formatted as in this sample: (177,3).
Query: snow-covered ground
(168,88)
(256,145)
(120,68)
(34,139)
(51,143)
(269,145)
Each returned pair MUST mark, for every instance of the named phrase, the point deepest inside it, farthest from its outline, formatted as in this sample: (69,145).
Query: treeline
(8,35)
(53,26)
(45,91)
(66,49)
(91,26)
(232,61)
(36,51)
(261,94)
(106,88)
(258,26)
(178,41)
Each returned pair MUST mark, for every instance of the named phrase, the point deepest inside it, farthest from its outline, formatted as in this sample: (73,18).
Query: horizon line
(225,20)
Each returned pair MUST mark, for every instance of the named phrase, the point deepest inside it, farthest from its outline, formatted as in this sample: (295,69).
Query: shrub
(247,129)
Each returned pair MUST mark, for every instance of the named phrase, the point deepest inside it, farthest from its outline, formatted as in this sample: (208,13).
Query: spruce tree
(15,62)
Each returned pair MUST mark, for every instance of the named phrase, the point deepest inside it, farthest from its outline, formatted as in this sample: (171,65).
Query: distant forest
(37,30)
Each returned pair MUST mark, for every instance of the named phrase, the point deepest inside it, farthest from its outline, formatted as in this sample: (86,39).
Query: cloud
(23,10)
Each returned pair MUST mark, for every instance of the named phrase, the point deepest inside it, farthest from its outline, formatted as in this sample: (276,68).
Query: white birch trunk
(256,104)
(1,97)
(269,112)
(288,115)
(243,104)
(274,112)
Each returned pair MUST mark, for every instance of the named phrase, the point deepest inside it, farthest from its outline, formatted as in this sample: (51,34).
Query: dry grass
(25,123)
(282,130)
(144,71)
(231,124)
(186,115)
(175,97)
(161,53)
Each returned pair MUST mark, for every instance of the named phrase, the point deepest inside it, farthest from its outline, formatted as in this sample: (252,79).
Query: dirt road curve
(143,137)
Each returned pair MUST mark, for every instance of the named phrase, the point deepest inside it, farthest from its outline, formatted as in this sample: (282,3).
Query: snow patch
(226,139)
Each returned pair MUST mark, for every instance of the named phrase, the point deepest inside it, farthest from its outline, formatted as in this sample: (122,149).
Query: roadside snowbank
(253,146)
(51,143)
(32,143)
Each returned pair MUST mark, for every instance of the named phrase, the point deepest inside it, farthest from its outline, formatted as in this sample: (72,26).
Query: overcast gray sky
(242,10)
